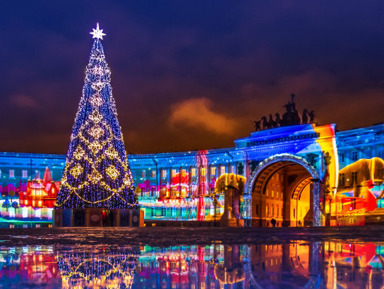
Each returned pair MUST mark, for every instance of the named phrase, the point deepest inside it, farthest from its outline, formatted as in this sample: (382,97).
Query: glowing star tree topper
(97,173)
(97,33)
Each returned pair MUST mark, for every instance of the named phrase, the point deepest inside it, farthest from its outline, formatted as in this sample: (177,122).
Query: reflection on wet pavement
(297,264)
(29,267)
(100,267)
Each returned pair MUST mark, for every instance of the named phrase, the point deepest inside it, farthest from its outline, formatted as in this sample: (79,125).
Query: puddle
(299,264)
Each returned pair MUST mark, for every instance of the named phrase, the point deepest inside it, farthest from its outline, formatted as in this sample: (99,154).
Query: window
(193,172)
(174,172)
(354,156)
(163,173)
(381,173)
(153,174)
(342,157)
(222,170)
(24,212)
(232,169)
(257,209)
(354,178)
(183,171)
(380,152)
(153,191)
(11,173)
(213,171)
(24,174)
(341,179)
(203,172)
(368,152)
(143,173)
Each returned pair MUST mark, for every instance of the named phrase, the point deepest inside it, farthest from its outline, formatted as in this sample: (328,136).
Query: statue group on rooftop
(290,117)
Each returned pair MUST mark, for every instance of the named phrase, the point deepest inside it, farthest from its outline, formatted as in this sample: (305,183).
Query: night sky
(188,75)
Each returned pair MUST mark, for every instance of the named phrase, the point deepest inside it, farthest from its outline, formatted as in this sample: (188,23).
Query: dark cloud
(198,113)
(24,101)
(243,59)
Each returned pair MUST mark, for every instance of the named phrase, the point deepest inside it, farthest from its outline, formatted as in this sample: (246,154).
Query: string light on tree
(97,173)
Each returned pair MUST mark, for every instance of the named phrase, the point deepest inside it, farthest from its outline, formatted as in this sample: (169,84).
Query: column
(317,188)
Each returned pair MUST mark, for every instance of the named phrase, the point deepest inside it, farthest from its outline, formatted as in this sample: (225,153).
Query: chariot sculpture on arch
(289,117)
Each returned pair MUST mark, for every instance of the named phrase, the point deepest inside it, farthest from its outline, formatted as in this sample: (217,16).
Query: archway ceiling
(264,176)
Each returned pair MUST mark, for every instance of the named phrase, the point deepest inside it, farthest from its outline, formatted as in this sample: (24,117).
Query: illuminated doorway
(285,192)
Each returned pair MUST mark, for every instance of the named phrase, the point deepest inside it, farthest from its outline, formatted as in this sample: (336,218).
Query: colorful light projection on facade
(182,193)
(360,191)
(316,145)
(232,187)
(34,202)
(40,193)
(288,148)
(327,143)
(175,186)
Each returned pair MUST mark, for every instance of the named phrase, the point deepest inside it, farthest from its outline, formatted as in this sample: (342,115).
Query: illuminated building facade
(297,175)
(34,197)
(40,193)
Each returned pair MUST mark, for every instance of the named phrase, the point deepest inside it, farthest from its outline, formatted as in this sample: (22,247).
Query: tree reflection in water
(99,267)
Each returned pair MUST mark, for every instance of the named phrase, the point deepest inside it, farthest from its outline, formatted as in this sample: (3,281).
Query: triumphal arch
(294,167)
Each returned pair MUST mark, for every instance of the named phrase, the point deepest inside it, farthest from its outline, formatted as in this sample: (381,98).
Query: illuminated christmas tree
(97,173)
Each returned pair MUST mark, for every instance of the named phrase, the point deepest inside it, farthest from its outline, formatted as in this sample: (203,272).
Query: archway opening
(282,196)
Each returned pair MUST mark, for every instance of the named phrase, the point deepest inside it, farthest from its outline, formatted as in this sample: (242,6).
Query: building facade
(295,175)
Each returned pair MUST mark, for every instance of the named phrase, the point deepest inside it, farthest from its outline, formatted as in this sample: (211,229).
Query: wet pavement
(170,236)
(348,257)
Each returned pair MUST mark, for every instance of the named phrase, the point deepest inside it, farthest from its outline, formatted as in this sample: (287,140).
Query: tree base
(95,217)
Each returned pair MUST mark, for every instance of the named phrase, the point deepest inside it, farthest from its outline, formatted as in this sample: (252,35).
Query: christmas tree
(97,173)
